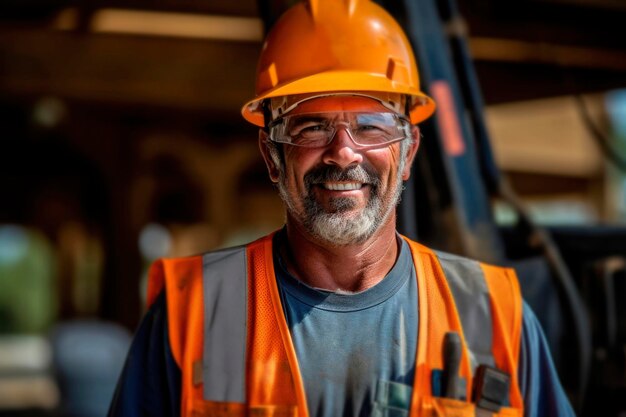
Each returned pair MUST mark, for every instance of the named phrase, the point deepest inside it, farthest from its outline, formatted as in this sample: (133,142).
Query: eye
(312,128)
(374,124)
(308,128)
(371,131)
(365,128)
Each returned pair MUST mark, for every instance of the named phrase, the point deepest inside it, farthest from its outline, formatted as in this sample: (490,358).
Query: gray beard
(338,227)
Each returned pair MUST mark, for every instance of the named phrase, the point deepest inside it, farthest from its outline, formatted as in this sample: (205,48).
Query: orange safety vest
(229,336)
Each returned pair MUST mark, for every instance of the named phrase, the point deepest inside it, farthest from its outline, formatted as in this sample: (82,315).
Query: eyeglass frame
(403,123)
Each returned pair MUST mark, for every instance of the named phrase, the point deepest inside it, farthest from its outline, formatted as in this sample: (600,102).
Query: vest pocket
(509,412)
(273,411)
(447,407)
(203,408)
(393,399)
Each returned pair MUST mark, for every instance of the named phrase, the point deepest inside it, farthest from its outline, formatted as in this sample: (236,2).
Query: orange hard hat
(323,47)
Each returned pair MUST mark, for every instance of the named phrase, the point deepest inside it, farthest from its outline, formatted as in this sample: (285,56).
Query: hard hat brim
(341,81)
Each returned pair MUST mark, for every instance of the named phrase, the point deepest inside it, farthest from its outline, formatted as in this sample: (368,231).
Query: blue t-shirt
(356,352)
(366,385)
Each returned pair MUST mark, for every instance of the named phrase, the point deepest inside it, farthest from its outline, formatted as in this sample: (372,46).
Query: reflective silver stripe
(224,280)
(471,296)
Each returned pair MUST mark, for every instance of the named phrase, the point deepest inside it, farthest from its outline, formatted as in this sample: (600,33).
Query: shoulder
(188,272)
(172,272)
(441,256)
(453,259)
(184,271)
(445,256)
(468,277)
(495,276)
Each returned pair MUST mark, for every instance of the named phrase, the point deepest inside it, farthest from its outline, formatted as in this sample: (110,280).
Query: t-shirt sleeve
(539,383)
(150,384)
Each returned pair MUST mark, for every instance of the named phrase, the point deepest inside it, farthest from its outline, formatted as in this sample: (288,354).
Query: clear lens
(318,129)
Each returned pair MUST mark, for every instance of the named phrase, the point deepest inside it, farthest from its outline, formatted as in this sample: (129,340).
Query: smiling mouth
(342,186)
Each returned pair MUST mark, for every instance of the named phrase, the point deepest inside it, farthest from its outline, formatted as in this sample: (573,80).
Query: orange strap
(182,278)
(273,373)
(507,323)
(437,316)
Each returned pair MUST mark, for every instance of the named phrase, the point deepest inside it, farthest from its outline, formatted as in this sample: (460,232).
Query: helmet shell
(325,46)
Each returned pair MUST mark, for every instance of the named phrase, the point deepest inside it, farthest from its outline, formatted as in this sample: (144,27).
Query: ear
(410,155)
(272,169)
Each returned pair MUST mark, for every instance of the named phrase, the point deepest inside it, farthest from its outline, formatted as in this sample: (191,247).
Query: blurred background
(121,142)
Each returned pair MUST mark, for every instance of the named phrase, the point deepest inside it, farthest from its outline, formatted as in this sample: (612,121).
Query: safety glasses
(366,129)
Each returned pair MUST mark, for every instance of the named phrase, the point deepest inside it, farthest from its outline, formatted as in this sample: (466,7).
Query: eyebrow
(299,119)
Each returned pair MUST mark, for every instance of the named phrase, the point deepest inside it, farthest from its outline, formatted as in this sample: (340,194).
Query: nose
(342,151)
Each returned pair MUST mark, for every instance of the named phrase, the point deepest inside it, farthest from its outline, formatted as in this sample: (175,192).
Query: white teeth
(344,186)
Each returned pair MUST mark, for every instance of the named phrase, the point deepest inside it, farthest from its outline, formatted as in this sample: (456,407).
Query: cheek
(386,165)
(294,181)
(297,163)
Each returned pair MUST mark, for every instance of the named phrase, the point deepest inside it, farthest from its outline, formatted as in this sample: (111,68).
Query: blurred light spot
(561,212)
(616,108)
(66,19)
(24,353)
(181,25)
(49,111)
(14,244)
(505,214)
(155,241)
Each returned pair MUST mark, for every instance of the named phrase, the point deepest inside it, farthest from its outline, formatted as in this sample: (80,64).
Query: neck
(350,268)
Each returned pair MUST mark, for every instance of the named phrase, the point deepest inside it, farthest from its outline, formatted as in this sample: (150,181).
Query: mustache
(331,173)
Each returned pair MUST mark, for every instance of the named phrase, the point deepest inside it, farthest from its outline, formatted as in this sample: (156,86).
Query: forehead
(339,104)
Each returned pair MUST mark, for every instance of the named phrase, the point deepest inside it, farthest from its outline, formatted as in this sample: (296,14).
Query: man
(336,314)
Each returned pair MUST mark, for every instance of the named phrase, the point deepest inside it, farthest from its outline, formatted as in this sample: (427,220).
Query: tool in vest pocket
(491,388)
(446,382)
